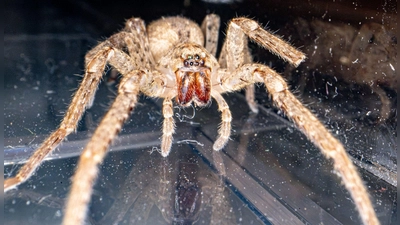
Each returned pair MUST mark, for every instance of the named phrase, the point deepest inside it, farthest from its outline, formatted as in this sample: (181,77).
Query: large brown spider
(167,60)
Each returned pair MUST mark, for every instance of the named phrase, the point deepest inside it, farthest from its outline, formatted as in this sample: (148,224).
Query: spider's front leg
(242,25)
(235,51)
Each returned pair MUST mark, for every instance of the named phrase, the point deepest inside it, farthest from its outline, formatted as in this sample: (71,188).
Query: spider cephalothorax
(167,60)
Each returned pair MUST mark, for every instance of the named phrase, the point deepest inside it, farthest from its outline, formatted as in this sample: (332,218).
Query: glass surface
(267,174)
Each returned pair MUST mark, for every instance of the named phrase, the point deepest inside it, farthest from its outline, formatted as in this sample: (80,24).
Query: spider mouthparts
(193,86)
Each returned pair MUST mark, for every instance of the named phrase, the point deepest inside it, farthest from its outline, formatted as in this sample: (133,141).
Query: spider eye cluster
(193,60)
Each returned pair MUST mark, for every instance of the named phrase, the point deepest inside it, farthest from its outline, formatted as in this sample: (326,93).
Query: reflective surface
(268,172)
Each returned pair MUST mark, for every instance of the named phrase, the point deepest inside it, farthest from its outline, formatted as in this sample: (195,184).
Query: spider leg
(168,127)
(96,149)
(271,42)
(155,84)
(132,83)
(225,127)
(250,98)
(95,63)
(210,28)
(250,89)
(137,43)
(308,124)
(235,53)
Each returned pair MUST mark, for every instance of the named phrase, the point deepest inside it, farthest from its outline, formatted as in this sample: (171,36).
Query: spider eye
(372,39)
(190,57)
(197,57)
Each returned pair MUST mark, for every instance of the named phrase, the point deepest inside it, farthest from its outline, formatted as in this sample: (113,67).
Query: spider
(174,58)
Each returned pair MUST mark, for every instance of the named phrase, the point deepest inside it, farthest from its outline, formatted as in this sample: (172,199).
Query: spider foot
(220,143)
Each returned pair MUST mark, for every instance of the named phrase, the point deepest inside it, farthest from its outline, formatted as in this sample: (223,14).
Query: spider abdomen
(165,33)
